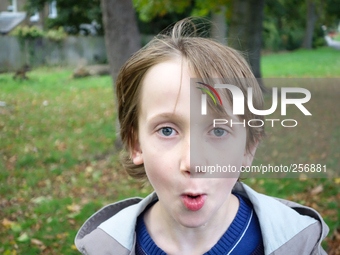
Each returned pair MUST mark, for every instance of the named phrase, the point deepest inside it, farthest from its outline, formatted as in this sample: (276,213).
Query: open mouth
(193,202)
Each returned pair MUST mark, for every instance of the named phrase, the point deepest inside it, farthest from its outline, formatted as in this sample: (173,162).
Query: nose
(192,157)
(185,162)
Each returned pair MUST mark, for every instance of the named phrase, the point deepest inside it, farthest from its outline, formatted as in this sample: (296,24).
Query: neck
(174,238)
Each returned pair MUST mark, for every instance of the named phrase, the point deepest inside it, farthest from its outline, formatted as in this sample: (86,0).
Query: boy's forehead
(169,85)
(162,77)
(163,86)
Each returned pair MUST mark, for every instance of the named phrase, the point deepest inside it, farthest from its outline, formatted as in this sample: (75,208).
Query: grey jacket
(287,227)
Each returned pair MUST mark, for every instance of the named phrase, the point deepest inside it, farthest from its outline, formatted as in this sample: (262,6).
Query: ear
(249,156)
(137,154)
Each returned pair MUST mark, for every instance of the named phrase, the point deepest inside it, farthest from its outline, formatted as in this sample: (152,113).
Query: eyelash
(174,132)
(225,132)
(162,134)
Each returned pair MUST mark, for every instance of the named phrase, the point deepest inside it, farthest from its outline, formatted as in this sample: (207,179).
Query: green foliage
(158,24)
(203,8)
(148,10)
(31,33)
(71,14)
(285,23)
(271,36)
(32,6)
(26,32)
(292,38)
(56,35)
(319,37)
(332,12)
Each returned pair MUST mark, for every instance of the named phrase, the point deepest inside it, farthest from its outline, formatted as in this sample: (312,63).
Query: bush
(25,32)
(30,33)
(318,37)
(56,34)
(271,36)
(292,38)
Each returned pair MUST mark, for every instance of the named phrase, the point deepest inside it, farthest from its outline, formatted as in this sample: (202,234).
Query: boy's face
(164,147)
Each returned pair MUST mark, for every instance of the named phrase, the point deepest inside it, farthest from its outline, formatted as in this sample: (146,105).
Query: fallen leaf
(317,190)
(49,237)
(23,237)
(72,221)
(9,252)
(16,227)
(72,215)
(13,159)
(73,208)
(336,234)
(89,169)
(62,235)
(6,223)
(39,200)
(36,242)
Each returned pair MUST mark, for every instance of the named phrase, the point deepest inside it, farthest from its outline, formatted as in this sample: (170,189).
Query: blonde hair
(205,57)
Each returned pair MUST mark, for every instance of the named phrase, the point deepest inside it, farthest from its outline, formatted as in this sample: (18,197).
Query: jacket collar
(122,226)
(278,222)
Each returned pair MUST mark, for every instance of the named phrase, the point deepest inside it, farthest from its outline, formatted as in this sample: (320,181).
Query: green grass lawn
(323,62)
(58,165)
(337,38)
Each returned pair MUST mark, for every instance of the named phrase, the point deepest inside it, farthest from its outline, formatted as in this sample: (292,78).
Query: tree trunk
(245,31)
(122,39)
(310,24)
(219,27)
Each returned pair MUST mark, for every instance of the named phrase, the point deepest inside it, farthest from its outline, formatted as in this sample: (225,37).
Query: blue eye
(167,131)
(219,132)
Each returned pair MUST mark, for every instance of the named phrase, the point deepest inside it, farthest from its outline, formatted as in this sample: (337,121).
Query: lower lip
(194,203)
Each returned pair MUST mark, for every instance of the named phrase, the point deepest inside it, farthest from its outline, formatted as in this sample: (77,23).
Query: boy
(188,215)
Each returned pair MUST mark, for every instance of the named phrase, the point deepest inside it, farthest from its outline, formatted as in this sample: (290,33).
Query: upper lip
(193,194)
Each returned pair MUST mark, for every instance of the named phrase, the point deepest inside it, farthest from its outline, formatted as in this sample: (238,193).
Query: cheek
(156,168)
(225,187)
(231,152)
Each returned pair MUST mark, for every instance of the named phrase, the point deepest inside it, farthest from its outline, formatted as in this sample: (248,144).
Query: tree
(219,29)
(245,32)
(245,23)
(332,10)
(149,10)
(284,24)
(122,38)
(71,14)
(310,24)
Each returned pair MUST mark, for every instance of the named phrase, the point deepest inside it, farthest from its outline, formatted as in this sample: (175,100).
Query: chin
(193,220)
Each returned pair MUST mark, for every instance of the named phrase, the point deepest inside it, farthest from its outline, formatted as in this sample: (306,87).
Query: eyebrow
(166,115)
